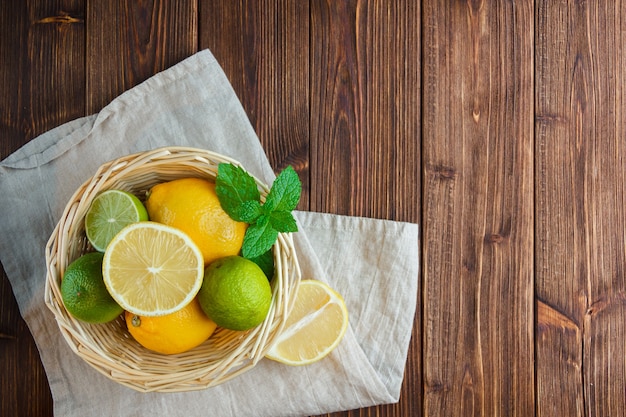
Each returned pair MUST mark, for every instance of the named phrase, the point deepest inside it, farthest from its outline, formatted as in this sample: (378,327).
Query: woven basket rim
(108,348)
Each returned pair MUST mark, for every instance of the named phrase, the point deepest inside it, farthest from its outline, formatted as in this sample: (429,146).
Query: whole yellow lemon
(173,333)
(191,205)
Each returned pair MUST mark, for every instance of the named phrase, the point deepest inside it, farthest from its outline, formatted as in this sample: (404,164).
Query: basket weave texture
(109,348)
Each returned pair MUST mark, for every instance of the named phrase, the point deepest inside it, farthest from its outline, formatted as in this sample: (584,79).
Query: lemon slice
(109,213)
(151,269)
(315,325)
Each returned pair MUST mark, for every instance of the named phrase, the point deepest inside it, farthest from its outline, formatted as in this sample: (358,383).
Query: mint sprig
(237,192)
(240,198)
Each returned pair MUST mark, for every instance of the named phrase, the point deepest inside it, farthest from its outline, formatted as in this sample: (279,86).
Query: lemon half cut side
(314,327)
(152,269)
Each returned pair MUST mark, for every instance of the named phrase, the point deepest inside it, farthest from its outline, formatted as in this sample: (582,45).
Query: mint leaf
(259,238)
(283,221)
(266,263)
(239,196)
(249,211)
(285,192)
(234,187)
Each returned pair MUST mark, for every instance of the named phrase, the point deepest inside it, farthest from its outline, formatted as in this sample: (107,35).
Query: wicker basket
(108,347)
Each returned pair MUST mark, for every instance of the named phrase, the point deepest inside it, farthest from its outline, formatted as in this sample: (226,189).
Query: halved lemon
(315,325)
(152,269)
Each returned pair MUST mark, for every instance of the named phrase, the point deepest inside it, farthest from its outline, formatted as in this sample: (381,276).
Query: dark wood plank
(580,153)
(365,129)
(24,389)
(478,208)
(365,102)
(42,68)
(41,77)
(335,106)
(560,226)
(128,42)
(263,48)
(14,64)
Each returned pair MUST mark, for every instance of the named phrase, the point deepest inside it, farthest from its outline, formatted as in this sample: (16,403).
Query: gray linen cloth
(372,263)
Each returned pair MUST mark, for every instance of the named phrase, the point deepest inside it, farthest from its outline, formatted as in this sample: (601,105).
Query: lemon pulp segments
(152,269)
(315,325)
(109,213)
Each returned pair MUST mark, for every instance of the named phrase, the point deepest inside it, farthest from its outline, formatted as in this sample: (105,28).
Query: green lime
(83,291)
(109,213)
(235,293)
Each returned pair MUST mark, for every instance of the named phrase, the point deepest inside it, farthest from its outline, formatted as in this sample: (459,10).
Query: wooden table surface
(498,126)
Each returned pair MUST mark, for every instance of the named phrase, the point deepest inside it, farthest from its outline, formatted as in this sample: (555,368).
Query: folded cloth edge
(21,158)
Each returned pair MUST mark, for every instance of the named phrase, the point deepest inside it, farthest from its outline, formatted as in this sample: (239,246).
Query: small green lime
(83,291)
(235,293)
(109,213)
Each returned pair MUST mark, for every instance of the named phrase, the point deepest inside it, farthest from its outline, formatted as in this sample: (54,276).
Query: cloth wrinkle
(192,104)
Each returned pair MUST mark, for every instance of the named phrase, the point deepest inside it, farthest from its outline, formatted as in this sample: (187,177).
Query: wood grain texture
(498,126)
(129,41)
(365,129)
(24,387)
(263,48)
(365,98)
(42,74)
(14,118)
(478,208)
(580,190)
(41,59)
